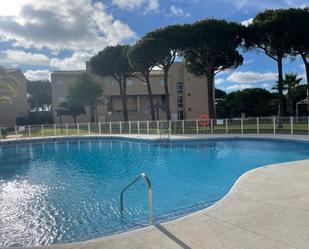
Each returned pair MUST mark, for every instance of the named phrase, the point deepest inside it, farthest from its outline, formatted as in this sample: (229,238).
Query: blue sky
(42,36)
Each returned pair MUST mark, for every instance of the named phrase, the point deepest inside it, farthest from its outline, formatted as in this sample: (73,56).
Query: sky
(43,36)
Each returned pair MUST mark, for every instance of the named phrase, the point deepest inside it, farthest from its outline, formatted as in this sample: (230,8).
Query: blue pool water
(69,191)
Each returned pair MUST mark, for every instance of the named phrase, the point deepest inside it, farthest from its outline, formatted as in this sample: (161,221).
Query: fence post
(100,131)
(130,131)
(55,129)
(78,129)
(158,127)
(42,128)
(242,125)
(66,129)
(16,133)
(226,126)
(0,133)
(110,127)
(120,128)
(274,124)
(196,126)
(88,128)
(183,127)
(147,125)
(257,125)
(138,128)
(211,126)
(292,128)
(29,130)
(169,127)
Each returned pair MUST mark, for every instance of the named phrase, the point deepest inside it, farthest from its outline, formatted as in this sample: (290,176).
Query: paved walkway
(268,208)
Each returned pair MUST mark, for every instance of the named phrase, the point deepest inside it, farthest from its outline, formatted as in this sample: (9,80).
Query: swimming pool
(56,192)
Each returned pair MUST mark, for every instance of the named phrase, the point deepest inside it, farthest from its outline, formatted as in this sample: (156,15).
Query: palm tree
(8,86)
(291,82)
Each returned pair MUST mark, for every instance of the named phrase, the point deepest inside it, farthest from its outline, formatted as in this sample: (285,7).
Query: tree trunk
(303,56)
(74,118)
(211,94)
(152,112)
(92,117)
(123,94)
(124,100)
(167,96)
(95,111)
(291,106)
(280,87)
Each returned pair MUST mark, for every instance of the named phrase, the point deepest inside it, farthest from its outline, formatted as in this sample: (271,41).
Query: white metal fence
(265,125)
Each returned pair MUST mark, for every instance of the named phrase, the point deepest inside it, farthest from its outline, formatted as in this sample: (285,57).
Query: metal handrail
(142,175)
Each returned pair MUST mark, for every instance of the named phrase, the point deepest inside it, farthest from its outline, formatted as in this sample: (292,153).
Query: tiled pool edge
(153,138)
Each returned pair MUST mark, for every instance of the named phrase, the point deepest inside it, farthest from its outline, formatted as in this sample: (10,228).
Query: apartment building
(188,95)
(19,107)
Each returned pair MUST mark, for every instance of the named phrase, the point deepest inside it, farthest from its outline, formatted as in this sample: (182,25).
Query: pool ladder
(146,178)
(161,133)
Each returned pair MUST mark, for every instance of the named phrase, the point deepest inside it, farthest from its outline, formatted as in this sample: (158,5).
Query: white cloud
(75,62)
(153,5)
(246,62)
(37,75)
(150,5)
(266,4)
(175,11)
(219,81)
(239,87)
(128,4)
(251,77)
(80,27)
(24,58)
(247,22)
(62,24)
(266,85)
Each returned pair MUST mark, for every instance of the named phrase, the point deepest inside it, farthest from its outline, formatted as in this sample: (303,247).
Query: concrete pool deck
(268,207)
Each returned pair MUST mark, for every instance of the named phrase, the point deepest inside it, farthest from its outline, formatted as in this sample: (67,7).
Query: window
(180,115)
(162,82)
(61,99)
(110,104)
(130,82)
(180,101)
(112,82)
(179,87)
(59,82)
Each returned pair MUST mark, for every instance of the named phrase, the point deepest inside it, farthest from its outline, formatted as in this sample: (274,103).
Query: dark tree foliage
(213,48)
(40,95)
(143,57)
(86,92)
(170,41)
(113,61)
(253,102)
(72,109)
(220,94)
(299,22)
(272,32)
